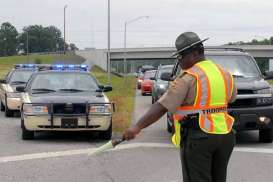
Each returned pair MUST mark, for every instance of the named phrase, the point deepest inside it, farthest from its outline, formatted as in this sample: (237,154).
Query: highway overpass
(159,55)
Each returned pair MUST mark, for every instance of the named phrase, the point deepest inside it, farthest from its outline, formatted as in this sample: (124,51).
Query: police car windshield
(69,82)
(239,66)
(20,76)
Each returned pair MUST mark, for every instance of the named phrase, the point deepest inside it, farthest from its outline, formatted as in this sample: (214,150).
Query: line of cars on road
(149,81)
(253,108)
(56,98)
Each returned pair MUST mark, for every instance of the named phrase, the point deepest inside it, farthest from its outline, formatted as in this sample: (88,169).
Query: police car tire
(153,100)
(8,112)
(265,135)
(106,135)
(2,106)
(26,134)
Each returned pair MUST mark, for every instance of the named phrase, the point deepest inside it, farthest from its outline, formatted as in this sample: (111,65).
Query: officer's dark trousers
(205,156)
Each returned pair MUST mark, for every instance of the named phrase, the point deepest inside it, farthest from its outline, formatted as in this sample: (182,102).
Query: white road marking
(45,155)
(254,150)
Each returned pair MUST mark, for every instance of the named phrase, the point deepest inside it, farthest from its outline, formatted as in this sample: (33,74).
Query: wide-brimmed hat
(185,41)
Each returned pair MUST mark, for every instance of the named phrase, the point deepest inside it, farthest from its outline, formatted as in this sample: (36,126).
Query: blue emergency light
(25,66)
(69,67)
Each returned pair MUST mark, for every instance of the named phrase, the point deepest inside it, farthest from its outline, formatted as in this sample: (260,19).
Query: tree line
(33,39)
(265,41)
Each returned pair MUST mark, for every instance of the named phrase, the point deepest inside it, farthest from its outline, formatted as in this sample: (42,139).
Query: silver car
(160,86)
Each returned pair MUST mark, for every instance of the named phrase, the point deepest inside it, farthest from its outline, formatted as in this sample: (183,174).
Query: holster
(188,122)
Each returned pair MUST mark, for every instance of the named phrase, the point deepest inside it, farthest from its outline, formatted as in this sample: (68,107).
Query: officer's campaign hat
(187,40)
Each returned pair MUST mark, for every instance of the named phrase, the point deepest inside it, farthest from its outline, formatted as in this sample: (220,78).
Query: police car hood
(251,83)
(63,97)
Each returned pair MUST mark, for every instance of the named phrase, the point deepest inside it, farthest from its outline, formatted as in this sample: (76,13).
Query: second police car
(10,99)
(65,98)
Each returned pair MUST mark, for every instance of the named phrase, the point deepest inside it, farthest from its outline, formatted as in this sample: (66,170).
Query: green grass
(270,82)
(123,95)
(6,63)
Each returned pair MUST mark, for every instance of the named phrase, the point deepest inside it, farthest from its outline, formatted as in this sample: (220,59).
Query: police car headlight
(34,109)
(100,108)
(14,95)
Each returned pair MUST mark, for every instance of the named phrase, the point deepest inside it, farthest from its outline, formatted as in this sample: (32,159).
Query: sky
(86,20)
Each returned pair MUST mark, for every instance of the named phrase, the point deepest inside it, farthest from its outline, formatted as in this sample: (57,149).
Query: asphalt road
(63,157)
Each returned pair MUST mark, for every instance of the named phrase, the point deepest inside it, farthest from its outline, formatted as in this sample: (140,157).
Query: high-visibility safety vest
(214,90)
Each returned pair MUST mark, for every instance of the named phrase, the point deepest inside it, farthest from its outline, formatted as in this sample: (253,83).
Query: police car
(9,98)
(65,98)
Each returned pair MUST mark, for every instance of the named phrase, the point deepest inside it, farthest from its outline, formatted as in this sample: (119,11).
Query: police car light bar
(25,66)
(68,67)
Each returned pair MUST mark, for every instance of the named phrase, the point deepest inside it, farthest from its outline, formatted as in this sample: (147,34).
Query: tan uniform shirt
(182,92)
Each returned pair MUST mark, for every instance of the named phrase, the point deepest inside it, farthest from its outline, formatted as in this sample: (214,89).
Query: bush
(38,61)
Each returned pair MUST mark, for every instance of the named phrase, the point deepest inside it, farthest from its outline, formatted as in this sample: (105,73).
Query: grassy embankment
(271,82)
(123,95)
(6,63)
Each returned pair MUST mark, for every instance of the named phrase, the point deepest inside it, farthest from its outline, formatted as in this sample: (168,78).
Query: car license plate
(69,122)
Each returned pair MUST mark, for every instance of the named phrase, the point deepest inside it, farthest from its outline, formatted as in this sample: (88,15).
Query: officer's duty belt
(191,121)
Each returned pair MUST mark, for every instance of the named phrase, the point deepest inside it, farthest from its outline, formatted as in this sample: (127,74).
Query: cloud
(222,20)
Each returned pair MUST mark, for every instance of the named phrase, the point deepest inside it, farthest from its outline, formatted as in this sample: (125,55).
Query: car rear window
(149,75)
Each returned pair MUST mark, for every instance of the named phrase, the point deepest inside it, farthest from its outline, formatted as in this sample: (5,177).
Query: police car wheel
(26,134)
(265,135)
(8,112)
(106,135)
(153,100)
(2,107)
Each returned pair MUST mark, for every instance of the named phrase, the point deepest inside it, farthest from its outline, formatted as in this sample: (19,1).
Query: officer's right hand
(131,132)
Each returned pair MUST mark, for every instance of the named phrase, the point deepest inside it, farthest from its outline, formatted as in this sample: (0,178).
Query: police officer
(198,99)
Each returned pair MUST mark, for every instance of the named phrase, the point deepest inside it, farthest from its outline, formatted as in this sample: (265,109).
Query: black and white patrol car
(65,98)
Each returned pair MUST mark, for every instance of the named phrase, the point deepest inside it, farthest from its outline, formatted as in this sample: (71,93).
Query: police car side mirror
(3,81)
(20,89)
(268,75)
(166,76)
(107,88)
(101,87)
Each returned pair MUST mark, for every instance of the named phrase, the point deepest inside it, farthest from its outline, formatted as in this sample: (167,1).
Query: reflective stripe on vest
(213,91)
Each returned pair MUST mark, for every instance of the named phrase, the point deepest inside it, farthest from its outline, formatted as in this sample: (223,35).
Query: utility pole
(64,27)
(109,44)
(27,47)
(125,49)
